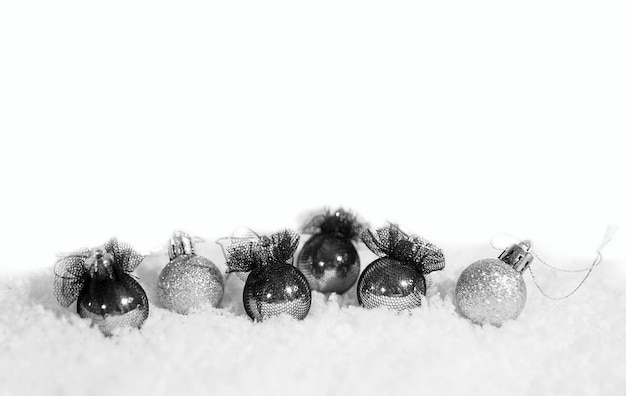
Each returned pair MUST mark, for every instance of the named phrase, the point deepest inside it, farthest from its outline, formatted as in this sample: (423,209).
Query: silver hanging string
(231,239)
(197,239)
(235,239)
(514,239)
(65,255)
(608,235)
(511,237)
(163,251)
(219,243)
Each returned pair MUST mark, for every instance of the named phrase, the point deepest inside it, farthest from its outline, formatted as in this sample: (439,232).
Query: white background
(459,120)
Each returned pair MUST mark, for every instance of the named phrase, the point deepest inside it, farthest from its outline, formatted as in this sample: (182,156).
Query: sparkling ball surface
(490,291)
(190,282)
(113,303)
(276,289)
(329,263)
(387,282)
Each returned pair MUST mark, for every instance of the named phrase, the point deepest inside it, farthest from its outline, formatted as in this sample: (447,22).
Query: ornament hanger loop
(510,240)
(608,235)
(233,239)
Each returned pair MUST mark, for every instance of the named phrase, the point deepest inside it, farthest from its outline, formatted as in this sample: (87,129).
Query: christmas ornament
(493,290)
(329,260)
(188,281)
(99,281)
(273,285)
(396,279)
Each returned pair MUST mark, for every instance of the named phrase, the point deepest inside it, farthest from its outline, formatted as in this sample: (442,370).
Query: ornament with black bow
(328,259)
(396,279)
(99,281)
(273,285)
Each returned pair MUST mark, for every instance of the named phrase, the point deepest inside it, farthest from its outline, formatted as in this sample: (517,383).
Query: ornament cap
(100,264)
(181,244)
(518,255)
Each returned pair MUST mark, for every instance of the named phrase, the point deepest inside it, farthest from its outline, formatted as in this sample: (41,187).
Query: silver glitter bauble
(188,281)
(276,289)
(99,281)
(492,291)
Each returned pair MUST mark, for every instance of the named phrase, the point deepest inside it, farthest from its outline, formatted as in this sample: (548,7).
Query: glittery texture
(390,283)
(190,282)
(329,263)
(490,291)
(99,280)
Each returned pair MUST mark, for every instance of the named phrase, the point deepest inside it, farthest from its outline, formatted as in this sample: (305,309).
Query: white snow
(575,346)
(456,119)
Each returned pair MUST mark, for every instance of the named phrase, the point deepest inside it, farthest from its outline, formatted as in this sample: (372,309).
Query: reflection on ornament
(392,284)
(275,289)
(273,285)
(492,291)
(329,260)
(188,281)
(100,281)
(396,279)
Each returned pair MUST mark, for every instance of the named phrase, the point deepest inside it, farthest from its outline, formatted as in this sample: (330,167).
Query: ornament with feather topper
(99,281)
(273,286)
(396,279)
(328,259)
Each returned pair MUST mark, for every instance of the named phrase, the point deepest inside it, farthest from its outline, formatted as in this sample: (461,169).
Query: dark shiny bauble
(329,263)
(112,303)
(390,283)
(276,289)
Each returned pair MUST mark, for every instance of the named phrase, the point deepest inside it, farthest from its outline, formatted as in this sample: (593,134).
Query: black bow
(391,241)
(244,255)
(71,275)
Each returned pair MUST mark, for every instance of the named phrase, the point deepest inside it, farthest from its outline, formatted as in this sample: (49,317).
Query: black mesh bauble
(391,283)
(112,303)
(396,280)
(99,281)
(276,289)
(330,263)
